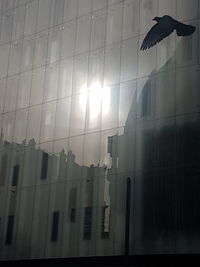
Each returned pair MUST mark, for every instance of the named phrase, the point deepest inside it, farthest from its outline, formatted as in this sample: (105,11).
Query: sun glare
(97,98)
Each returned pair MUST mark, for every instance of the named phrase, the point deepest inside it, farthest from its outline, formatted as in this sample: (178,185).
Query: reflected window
(55,225)
(73,215)
(15,175)
(87,229)
(3,169)
(9,231)
(44,169)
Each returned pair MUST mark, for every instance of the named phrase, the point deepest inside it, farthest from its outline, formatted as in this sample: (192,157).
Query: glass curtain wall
(82,109)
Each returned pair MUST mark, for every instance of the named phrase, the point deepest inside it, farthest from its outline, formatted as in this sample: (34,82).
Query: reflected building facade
(82,109)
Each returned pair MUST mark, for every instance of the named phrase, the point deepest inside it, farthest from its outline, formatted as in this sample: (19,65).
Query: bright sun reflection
(97,98)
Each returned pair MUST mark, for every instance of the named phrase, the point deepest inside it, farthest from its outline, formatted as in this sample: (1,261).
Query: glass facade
(82,109)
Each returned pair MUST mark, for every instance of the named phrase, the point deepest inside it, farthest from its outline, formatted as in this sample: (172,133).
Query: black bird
(165,26)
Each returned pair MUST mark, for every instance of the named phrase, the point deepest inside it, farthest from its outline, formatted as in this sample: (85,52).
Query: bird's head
(157,19)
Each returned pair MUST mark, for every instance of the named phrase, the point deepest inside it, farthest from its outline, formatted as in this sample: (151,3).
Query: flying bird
(165,26)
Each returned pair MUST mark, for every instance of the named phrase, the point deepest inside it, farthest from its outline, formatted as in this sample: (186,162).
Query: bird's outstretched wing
(154,36)
(183,29)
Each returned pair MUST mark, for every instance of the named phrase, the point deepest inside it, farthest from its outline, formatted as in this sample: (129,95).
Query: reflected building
(82,109)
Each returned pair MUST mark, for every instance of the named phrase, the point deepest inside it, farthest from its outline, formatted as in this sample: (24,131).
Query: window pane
(148,10)
(167,7)
(87,228)
(4,163)
(91,150)
(129,59)
(39,222)
(98,32)
(15,56)
(146,97)
(6,26)
(187,48)
(43,174)
(24,89)
(75,155)
(54,44)
(80,73)
(83,34)
(11,93)
(96,4)
(165,94)
(18,22)
(31,17)
(48,122)
(56,207)
(127,104)
(20,126)
(55,225)
(110,107)
(59,169)
(187,100)
(68,39)
(2,94)
(4,57)
(165,53)
(84,7)
(96,64)
(9,231)
(8,126)
(51,82)
(34,121)
(94,106)
(37,86)
(56,12)
(43,15)
(20,2)
(25,213)
(27,53)
(15,175)
(187,10)
(78,110)
(62,118)
(65,78)
(112,64)
(40,49)
(8,4)
(130,18)
(108,149)
(147,60)
(70,9)
(114,24)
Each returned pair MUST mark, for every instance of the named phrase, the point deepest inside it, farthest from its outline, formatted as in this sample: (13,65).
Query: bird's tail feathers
(184,30)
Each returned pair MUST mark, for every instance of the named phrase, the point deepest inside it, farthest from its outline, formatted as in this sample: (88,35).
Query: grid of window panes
(82,108)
